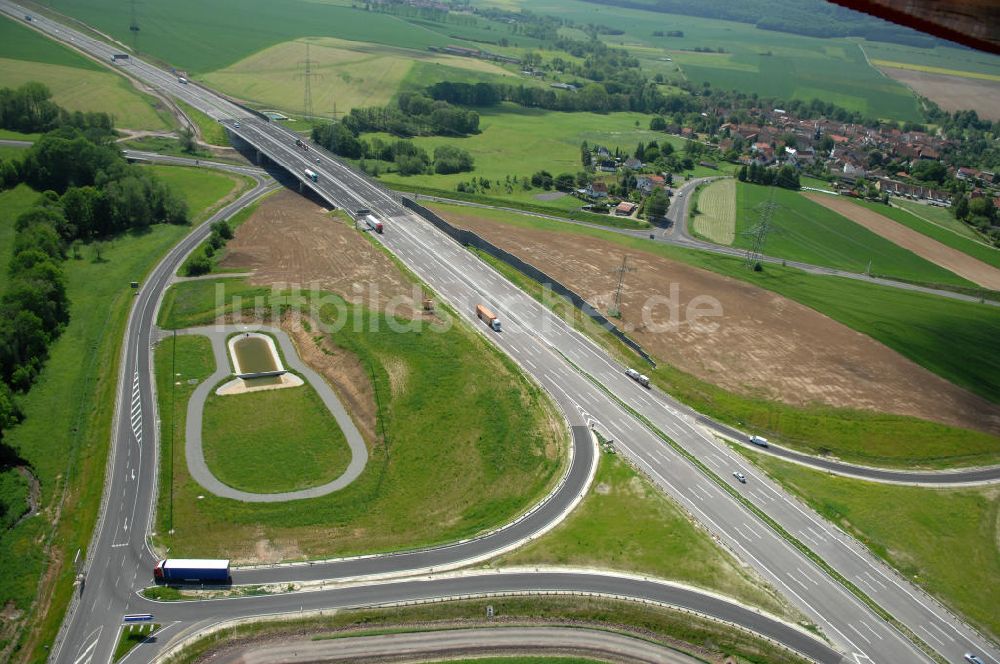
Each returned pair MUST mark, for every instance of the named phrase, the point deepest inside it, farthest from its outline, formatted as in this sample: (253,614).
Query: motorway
(585,383)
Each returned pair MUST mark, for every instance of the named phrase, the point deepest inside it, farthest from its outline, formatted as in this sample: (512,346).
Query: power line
(759,233)
(133,27)
(307,75)
(616,309)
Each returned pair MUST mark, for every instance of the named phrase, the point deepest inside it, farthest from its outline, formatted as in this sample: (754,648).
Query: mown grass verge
(273,441)
(624,523)
(917,530)
(131,636)
(211,131)
(852,435)
(456,454)
(682,631)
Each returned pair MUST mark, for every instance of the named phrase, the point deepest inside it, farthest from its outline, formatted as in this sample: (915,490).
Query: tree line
(408,158)
(785,176)
(89,192)
(414,115)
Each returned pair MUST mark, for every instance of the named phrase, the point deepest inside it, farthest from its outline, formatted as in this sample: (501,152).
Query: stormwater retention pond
(256,364)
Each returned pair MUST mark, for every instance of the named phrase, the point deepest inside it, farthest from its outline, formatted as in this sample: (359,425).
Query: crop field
(250,446)
(716,217)
(202,37)
(69,451)
(626,524)
(965,60)
(771,64)
(710,371)
(806,231)
(952,93)
(77,84)
(349,74)
(921,532)
(942,254)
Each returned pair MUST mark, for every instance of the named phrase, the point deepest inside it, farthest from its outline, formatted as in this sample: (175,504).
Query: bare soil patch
(763,345)
(291,240)
(952,93)
(954,260)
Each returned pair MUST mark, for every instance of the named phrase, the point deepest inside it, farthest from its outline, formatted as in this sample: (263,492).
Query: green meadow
(77,83)
(803,230)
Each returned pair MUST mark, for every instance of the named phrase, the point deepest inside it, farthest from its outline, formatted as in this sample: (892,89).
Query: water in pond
(254,355)
(262,381)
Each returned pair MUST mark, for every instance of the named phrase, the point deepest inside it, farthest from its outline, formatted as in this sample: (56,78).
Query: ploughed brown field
(289,239)
(952,93)
(950,259)
(763,345)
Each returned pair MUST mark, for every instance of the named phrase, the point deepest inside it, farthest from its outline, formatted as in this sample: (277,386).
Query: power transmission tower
(616,309)
(307,75)
(133,27)
(759,233)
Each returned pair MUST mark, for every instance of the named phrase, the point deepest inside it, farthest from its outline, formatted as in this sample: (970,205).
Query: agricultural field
(68,453)
(918,531)
(626,524)
(77,83)
(803,230)
(715,219)
(944,255)
(950,92)
(349,74)
(771,64)
(250,446)
(760,366)
(937,216)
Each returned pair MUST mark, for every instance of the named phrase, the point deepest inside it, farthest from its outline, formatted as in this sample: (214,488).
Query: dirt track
(954,260)
(292,240)
(763,346)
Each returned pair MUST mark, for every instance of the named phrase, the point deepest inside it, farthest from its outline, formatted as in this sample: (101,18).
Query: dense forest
(813,18)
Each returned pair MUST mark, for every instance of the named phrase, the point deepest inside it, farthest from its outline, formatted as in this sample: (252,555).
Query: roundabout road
(195,453)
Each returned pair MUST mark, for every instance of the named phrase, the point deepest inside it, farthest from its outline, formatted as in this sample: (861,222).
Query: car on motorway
(973,659)
(740,476)
(236,124)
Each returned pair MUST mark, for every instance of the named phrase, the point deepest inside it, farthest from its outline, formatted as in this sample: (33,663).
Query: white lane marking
(87,653)
(807,577)
(796,580)
(930,634)
(942,632)
(869,628)
(858,632)
(873,588)
(874,580)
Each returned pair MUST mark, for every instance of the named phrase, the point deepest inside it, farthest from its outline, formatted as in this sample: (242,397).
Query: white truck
(759,440)
(365,216)
(642,379)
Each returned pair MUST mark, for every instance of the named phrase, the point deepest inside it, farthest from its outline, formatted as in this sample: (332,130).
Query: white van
(759,440)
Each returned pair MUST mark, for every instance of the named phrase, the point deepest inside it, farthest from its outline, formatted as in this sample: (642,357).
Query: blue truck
(192,570)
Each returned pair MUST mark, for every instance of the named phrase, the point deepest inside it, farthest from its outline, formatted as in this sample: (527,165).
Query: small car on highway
(973,659)
(740,476)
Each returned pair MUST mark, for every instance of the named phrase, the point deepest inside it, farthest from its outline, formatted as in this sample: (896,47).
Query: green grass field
(353,74)
(772,64)
(939,216)
(77,83)
(68,451)
(803,230)
(716,216)
(251,444)
(211,131)
(458,454)
(205,195)
(921,532)
(939,334)
(519,141)
(624,523)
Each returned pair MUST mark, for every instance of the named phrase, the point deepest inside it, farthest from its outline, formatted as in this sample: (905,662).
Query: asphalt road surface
(585,383)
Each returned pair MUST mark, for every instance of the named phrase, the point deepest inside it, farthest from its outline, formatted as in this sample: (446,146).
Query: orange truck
(488,317)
